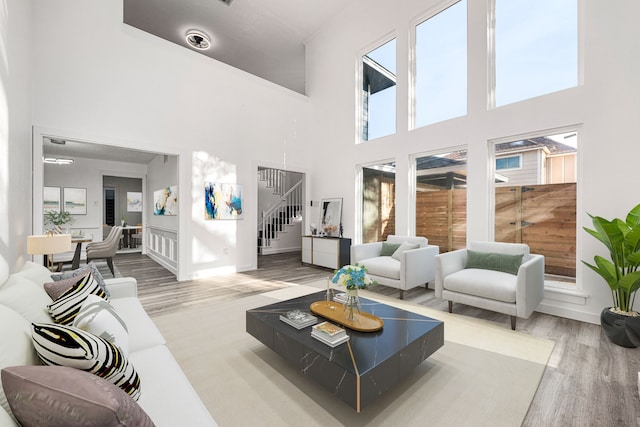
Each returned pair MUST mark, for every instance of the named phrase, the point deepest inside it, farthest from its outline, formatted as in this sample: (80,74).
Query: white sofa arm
(122,287)
(418,266)
(448,263)
(364,251)
(530,287)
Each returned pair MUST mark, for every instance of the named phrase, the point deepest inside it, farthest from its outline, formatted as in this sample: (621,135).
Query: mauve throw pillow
(59,287)
(62,396)
(80,272)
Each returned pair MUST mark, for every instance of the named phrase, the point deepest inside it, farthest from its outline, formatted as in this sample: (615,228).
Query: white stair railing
(275,179)
(282,213)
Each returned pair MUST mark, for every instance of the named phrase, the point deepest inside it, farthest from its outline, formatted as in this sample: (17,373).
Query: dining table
(78,240)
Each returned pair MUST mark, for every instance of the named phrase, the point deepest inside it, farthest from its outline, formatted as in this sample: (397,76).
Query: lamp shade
(48,245)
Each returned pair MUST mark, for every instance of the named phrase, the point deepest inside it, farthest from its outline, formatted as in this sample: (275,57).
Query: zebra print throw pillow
(65,308)
(59,345)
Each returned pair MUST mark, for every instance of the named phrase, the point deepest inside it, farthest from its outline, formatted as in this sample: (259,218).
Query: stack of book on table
(330,334)
(299,319)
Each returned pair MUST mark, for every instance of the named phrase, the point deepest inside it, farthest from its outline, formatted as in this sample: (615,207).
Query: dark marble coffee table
(363,368)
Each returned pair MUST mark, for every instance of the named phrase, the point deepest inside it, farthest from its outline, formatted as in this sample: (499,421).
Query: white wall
(15,133)
(606,108)
(124,87)
(161,175)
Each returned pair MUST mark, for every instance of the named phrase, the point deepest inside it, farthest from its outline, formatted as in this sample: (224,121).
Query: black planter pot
(621,330)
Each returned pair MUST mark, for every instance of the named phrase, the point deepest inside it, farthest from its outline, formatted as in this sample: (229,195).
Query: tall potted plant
(622,238)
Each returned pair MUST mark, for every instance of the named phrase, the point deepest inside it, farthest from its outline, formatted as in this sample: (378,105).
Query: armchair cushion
(384,266)
(406,246)
(505,263)
(388,248)
(494,285)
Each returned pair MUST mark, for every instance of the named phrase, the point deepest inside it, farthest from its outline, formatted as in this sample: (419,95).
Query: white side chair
(517,295)
(406,270)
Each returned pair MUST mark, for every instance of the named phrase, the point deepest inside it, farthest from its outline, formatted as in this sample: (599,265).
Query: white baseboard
(568,313)
(162,262)
(271,251)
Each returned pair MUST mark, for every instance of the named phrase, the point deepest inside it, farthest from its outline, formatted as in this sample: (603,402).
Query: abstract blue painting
(222,201)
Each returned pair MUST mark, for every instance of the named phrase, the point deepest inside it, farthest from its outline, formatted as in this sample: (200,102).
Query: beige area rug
(484,375)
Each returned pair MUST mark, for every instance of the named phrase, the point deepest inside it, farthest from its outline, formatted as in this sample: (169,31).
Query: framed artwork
(75,200)
(331,217)
(222,201)
(165,201)
(134,201)
(51,199)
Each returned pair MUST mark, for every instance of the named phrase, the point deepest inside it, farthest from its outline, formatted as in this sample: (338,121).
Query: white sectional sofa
(166,395)
(403,269)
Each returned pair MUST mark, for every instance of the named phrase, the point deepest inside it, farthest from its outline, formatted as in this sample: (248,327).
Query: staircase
(281,217)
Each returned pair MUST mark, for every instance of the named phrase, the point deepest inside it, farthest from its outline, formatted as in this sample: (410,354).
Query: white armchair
(515,295)
(404,270)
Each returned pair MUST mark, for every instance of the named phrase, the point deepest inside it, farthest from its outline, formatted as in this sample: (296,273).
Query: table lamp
(48,245)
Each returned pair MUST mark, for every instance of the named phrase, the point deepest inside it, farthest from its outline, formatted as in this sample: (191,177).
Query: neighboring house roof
(552,147)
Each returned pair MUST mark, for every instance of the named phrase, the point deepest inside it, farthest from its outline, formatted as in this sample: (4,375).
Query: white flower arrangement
(352,277)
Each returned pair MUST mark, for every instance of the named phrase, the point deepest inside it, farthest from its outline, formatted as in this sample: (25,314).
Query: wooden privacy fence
(542,216)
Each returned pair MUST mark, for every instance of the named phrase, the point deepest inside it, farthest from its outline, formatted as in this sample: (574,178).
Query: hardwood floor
(588,381)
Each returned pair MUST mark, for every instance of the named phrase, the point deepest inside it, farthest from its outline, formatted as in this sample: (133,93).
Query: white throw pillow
(99,317)
(406,246)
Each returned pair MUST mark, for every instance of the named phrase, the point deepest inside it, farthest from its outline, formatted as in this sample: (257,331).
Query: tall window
(536,48)
(379,92)
(536,202)
(441,66)
(378,202)
(441,199)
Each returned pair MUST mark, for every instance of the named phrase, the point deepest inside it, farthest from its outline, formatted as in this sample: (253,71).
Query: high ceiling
(263,37)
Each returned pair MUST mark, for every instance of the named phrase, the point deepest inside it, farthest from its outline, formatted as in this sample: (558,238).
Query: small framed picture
(75,200)
(51,199)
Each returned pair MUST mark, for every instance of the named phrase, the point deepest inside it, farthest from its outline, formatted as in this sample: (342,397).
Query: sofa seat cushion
(489,284)
(143,333)
(168,397)
(26,298)
(62,396)
(15,341)
(384,266)
(5,418)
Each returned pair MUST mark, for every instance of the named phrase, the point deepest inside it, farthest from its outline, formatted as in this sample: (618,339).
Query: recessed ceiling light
(198,40)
